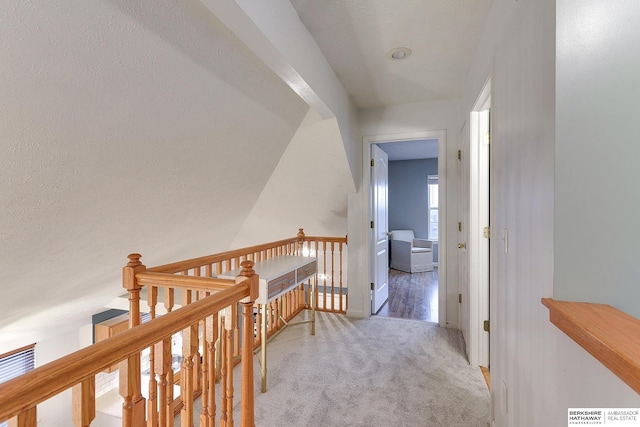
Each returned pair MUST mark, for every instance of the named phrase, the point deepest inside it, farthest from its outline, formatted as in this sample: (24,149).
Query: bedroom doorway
(416,296)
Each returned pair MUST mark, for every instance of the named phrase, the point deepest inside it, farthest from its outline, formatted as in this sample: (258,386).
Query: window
(432,196)
(16,363)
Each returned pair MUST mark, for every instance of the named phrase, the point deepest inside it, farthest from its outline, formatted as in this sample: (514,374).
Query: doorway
(476,327)
(410,141)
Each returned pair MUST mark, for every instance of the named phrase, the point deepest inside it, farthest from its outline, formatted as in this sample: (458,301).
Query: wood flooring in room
(412,296)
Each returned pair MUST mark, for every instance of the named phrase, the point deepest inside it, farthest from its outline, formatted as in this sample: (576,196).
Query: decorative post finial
(134,260)
(247,268)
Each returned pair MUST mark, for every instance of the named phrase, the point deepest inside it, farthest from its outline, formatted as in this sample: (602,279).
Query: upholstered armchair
(410,254)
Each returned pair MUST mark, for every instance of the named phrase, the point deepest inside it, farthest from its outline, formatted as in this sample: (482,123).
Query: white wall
(597,151)
(425,116)
(127,127)
(537,372)
(308,188)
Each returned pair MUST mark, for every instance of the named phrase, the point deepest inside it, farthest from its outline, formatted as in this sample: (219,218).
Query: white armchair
(410,254)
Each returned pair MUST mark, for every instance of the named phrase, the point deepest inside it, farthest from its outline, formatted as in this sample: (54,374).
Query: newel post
(247,396)
(301,237)
(133,407)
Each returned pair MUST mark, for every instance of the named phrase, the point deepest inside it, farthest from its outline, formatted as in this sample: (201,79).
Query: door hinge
(373,286)
(488,138)
(459,225)
(459,298)
(373,163)
(486,326)
(371,224)
(459,154)
(487,232)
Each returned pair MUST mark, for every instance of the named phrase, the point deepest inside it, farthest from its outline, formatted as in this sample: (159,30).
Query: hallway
(412,296)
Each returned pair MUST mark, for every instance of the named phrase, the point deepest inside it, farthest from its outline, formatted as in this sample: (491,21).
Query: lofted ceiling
(356,36)
(166,128)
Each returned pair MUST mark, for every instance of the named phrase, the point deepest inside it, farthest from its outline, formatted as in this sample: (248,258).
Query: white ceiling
(356,35)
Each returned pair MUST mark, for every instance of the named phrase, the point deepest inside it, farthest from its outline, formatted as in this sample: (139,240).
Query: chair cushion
(406,235)
(416,250)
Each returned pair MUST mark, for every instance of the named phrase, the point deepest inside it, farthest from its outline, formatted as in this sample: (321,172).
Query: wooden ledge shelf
(608,334)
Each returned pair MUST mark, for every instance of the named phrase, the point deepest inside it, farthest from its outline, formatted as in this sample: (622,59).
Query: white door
(477,338)
(463,237)
(379,229)
(483,247)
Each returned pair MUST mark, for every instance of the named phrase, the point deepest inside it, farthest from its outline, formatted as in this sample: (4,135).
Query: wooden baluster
(169,299)
(272,325)
(207,417)
(246,400)
(324,274)
(332,277)
(83,398)
(287,306)
(27,418)
(163,367)
(133,408)
(236,329)
(218,354)
(223,373)
(197,357)
(189,349)
(229,375)
(152,402)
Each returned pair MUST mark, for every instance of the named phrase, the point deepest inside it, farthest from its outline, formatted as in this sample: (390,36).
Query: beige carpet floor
(372,372)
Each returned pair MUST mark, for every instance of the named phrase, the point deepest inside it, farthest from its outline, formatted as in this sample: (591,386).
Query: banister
(48,380)
(607,333)
(179,266)
(325,239)
(195,283)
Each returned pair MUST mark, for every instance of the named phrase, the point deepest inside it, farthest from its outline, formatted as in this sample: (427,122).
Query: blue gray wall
(408,195)
(596,216)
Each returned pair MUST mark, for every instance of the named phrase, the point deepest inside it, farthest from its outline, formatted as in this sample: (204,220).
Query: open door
(379,225)
(478,322)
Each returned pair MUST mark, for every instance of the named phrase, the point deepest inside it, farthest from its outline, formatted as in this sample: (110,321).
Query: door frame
(441,136)
(478,266)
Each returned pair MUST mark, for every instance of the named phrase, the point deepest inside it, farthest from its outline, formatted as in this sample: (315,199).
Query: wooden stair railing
(77,370)
(191,282)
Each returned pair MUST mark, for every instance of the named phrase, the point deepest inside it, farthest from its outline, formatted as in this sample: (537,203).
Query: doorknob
(462,245)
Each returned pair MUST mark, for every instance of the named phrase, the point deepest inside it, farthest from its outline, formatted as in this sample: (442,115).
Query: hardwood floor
(412,296)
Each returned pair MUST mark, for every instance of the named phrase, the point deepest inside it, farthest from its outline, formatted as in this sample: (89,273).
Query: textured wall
(126,127)
(308,189)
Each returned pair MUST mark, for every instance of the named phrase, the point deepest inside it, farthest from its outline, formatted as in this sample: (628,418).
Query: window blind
(17,362)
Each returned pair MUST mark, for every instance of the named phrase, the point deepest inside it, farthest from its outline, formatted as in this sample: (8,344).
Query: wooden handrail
(48,380)
(195,283)
(212,307)
(325,239)
(176,267)
(608,334)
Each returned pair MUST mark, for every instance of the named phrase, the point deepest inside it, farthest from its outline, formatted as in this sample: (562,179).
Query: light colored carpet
(372,372)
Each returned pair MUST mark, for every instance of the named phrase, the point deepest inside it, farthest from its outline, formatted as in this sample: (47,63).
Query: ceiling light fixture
(399,53)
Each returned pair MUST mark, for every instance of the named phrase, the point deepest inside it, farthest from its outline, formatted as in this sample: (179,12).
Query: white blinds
(16,363)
